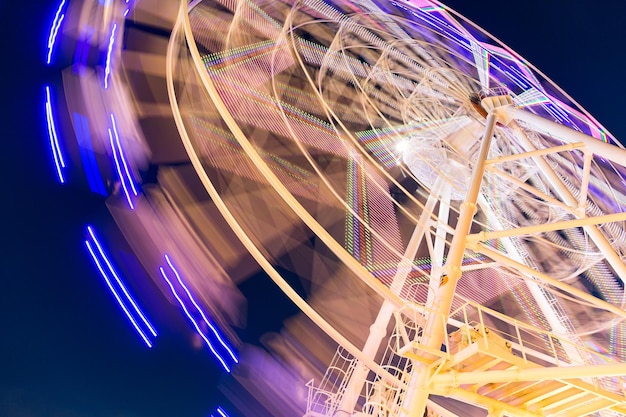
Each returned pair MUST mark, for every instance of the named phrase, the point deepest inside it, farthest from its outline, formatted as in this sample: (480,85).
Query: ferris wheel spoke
(564,133)
(559,225)
(444,191)
(613,258)
(532,190)
(527,272)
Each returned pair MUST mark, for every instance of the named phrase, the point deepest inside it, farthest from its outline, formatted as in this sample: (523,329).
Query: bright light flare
(402,147)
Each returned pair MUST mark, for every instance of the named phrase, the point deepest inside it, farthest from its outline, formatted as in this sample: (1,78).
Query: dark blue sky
(579,45)
(65,349)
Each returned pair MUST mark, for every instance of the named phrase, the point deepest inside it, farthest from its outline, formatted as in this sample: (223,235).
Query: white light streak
(57,155)
(54,30)
(107,64)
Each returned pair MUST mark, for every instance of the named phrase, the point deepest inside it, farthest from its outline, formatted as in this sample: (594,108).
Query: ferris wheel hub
(448,158)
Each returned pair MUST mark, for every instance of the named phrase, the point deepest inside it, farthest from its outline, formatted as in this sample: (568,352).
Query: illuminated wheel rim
(326,135)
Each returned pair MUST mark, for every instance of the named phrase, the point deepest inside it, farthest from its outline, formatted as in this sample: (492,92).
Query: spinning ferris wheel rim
(237,229)
(285,194)
(528,243)
(225,113)
(374,284)
(275,181)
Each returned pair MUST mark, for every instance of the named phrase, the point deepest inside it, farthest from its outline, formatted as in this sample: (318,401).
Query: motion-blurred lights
(127,2)
(193,321)
(121,164)
(222,412)
(204,317)
(107,63)
(54,31)
(99,257)
(57,155)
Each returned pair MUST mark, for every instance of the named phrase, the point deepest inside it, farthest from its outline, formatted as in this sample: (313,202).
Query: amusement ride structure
(449,222)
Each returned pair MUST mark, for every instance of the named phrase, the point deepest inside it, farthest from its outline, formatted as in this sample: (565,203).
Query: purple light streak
(81,53)
(206,320)
(107,64)
(57,155)
(126,179)
(193,321)
(131,316)
(127,8)
(54,30)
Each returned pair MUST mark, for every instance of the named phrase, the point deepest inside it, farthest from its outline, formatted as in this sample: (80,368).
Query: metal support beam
(378,330)
(438,310)
(584,186)
(456,379)
(437,254)
(561,190)
(607,151)
(526,272)
(532,190)
(546,227)
(538,152)
(495,412)
(477,399)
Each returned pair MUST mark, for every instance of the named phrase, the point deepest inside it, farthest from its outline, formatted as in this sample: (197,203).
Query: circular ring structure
(439,212)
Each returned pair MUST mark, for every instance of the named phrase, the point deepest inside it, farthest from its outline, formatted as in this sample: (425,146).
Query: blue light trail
(116,159)
(54,31)
(206,320)
(222,412)
(193,321)
(122,156)
(121,166)
(99,256)
(57,155)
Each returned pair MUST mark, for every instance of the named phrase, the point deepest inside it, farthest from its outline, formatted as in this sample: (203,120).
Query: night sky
(65,347)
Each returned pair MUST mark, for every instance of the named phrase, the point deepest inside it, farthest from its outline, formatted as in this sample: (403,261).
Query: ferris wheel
(448,221)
